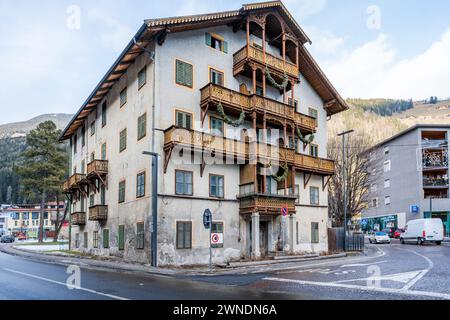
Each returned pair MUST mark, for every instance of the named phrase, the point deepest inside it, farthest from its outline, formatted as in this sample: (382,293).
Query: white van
(423,230)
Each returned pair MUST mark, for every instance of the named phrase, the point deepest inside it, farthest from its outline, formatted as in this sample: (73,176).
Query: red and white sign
(284,211)
(217,238)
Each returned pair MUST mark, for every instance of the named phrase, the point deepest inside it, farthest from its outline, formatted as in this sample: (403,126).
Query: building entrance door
(264,238)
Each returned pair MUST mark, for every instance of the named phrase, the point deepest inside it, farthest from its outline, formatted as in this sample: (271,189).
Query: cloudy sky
(50,63)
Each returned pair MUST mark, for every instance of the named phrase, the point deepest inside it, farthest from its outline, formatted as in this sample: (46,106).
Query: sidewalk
(116,264)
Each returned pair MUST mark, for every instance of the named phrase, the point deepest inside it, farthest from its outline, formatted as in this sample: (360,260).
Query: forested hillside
(382,107)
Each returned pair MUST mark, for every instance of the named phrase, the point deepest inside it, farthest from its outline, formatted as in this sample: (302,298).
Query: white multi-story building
(201,91)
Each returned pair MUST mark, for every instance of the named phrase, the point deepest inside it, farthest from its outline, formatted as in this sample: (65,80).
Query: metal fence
(354,241)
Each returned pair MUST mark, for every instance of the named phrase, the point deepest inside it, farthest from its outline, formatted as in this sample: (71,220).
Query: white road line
(364,288)
(422,274)
(65,285)
(362,264)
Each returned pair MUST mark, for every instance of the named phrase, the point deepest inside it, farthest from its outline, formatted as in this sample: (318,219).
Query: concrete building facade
(223,99)
(409,178)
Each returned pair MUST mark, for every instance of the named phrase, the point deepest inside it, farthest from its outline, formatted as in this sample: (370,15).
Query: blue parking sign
(414,208)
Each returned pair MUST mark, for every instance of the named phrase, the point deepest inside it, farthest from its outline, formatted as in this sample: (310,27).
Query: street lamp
(154,230)
(344,178)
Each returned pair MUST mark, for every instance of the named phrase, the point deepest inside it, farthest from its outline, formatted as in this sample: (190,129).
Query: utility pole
(154,208)
(344,183)
(431,207)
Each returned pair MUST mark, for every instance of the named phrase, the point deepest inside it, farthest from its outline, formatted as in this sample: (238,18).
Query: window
(184,73)
(314,195)
(140,185)
(313,113)
(387,200)
(92,156)
(314,150)
(386,150)
(217,227)
(387,183)
(142,77)
(184,119)
(387,166)
(291,143)
(102,195)
(216,186)
(216,77)
(121,237)
(104,151)
(83,137)
(85,240)
(314,232)
(216,126)
(95,239)
(92,128)
(183,182)
(184,235)
(75,141)
(123,97)
(123,140)
(77,240)
(297,193)
(142,126)
(91,200)
(295,104)
(216,42)
(105,238)
(375,203)
(35,215)
(103,114)
(140,236)
(259,91)
(122,191)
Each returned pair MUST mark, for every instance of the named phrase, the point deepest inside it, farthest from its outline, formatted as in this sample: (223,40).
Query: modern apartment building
(409,178)
(237,109)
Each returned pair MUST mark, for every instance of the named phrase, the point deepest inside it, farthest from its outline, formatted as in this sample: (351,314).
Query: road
(395,272)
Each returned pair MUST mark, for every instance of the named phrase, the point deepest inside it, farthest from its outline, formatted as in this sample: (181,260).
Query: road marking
(403,277)
(364,288)
(362,264)
(65,285)
(421,275)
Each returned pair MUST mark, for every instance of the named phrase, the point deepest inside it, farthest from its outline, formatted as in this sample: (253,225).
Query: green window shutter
(188,121)
(188,75)
(179,72)
(225,47)
(121,237)
(105,238)
(179,119)
(208,39)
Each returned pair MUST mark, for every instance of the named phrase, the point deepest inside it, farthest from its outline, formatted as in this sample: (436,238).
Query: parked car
(380,237)
(21,236)
(398,233)
(7,239)
(389,231)
(423,230)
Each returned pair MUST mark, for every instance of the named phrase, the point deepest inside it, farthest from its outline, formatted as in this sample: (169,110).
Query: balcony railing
(266,203)
(239,101)
(98,213)
(257,55)
(435,182)
(200,141)
(78,218)
(73,181)
(97,167)
(434,144)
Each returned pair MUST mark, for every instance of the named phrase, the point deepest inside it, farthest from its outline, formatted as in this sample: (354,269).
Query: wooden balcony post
(255,151)
(264,186)
(293,95)
(254,79)
(248,34)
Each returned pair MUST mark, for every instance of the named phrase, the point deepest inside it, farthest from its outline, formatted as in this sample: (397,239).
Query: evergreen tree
(43,167)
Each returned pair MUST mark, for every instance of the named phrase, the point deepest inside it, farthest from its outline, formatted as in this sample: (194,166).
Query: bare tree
(357,178)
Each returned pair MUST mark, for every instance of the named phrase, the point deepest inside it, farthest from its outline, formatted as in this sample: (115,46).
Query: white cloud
(372,70)
(324,42)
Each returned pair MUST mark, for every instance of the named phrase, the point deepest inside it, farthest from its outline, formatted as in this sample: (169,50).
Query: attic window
(216,42)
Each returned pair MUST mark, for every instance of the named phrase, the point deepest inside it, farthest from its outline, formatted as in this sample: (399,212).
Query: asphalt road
(395,272)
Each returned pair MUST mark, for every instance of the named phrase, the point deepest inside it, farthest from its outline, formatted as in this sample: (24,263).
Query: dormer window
(216,42)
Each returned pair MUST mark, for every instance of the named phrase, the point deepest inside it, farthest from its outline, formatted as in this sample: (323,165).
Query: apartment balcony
(196,141)
(97,168)
(434,144)
(78,218)
(73,182)
(435,183)
(234,102)
(98,213)
(266,203)
(256,56)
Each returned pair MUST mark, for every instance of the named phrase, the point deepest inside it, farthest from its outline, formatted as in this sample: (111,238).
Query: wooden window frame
(176,230)
(313,239)
(120,140)
(143,116)
(185,112)
(318,195)
(101,151)
(124,182)
(223,187)
(223,44)
(137,184)
(210,70)
(103,239)
(142,71)
(175,179)
(95,239)
(311,146)
(121,244)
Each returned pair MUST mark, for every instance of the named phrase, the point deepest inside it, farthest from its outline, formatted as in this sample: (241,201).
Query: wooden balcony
(266,204)
(200,142)
(98,213)
(97,167)
(73,182)
(234,102)
(78,218)
(255,55)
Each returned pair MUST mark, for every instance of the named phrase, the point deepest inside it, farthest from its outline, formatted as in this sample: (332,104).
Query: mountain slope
(20,129)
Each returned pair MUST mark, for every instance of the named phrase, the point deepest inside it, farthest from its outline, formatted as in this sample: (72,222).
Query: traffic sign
(207,218)
(216,238)
(284,211)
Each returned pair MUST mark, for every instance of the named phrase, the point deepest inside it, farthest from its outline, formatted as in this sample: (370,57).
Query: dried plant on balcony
(235,123)
(281,86)
(303,139)
(284,175)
